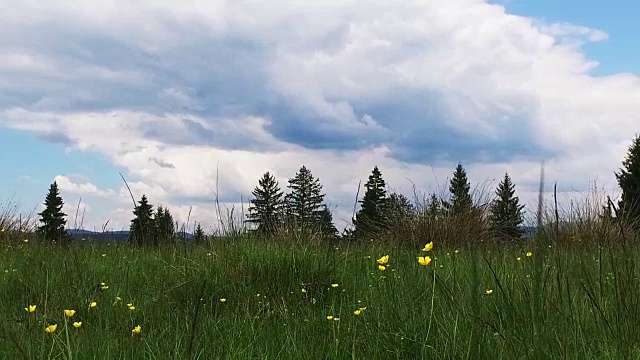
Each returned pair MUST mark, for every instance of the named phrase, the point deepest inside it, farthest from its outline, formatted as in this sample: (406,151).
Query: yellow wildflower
(489,292)
(529,254)
(334,285)
(51,328)
(77,324)
(428,247)
(424,260)
(30,309)
(136,330)
(69,313)
(330,317)
(381,267)
(518,258)
(383,260)
(223,300)
(93,304)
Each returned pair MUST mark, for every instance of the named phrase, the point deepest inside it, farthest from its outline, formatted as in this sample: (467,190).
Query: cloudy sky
(193,97)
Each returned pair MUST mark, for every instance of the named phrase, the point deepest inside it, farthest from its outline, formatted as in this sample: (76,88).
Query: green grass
(580,302)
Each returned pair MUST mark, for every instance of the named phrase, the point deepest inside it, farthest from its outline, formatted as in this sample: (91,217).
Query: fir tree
(506,212)
(372,214)
(434,207)
(629,181)
(265,209)
(327,228)
(304,203)
(198,235)
(399,208)
(460,188)
(142,230)
(164,226)
(52,217)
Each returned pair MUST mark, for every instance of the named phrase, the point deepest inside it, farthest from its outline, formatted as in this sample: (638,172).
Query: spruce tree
(372,214)
(506,212)
(142,230)
(304,203)
(460,188)
(629,181)
(52,217)
(164,226)
(265,209)
(399,208)
(327,228)
(198,235)
(434,207)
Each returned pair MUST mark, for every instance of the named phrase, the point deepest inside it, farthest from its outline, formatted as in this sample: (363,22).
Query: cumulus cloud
(196,97)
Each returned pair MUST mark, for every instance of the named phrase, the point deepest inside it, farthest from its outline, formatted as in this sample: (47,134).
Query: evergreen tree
(327,228)
(629,182)
(372,214)
(304,203)
(142,229)
(460,188)
(52,217)
(506,212)
(434,207)
(164,226)
(198,235)
(265,209)
(399,208)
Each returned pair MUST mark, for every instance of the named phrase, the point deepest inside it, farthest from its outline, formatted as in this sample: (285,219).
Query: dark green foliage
(327,228)
(164,226)
(629,181)
(52,217)
(399,208)
(371,217)
(265,209)
(435,208)
(198,235)
(142,230)
(304,203)
(461,202)
(506,212)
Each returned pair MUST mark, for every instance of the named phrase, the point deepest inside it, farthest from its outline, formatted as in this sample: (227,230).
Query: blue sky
(194,100)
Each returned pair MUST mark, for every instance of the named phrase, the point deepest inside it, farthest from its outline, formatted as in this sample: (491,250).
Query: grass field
(246,299)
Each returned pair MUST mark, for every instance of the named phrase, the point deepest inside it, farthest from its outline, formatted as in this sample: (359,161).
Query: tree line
(302,211)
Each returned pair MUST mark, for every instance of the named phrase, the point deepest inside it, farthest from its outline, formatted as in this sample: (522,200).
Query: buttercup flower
(489,292)
(223,300)
(51,328)
(381,267)
(77,324)
(330,317)
(334,285)
(136,330)
(529,254)
(93,304)
(30,309)
(424,260)
(383,260)
(69,313)
(428,247)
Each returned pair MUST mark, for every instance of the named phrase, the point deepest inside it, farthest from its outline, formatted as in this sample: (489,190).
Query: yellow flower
(330,317)
(129,305)
(334,285)
(30,309)
(69,313)
(428,247)
(383,260)
(51,328)
(223,300)
(304,291)
(529,254)
(93,304)
(136,330)
(489,292)
(77,324)
(132,307)
(457,251)
(357,312)
(25,240)
(424,260)
(336,319)
(381,267)
(118,298)
(518,258)
(103,286)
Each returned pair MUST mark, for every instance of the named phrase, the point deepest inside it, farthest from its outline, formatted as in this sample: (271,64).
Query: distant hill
(117,236)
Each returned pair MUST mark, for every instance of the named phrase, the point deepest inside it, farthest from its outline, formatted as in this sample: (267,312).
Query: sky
(193,101)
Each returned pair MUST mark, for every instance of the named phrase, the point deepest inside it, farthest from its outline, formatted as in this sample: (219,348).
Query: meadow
(245,298)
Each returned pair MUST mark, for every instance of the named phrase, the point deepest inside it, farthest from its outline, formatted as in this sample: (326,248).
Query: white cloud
(336,85)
